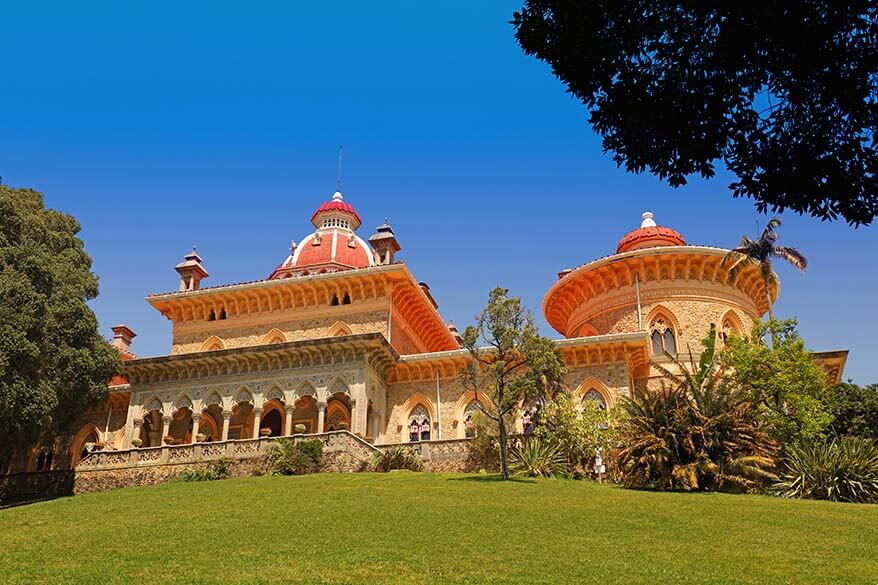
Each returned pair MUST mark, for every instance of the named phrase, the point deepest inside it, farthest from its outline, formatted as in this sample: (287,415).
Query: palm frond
(791,255)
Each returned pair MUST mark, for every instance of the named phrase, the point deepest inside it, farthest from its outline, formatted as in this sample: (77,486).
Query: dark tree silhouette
(784,93)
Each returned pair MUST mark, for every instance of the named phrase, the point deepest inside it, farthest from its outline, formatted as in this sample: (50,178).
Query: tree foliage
(698,431)
(578,428)
(783,93)
(511,362)
(54,365)
(783,380)
(854,410)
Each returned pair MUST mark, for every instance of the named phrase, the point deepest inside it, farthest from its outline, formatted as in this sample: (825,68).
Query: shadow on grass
(494,477)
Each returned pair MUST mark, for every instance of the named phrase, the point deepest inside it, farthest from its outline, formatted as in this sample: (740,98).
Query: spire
(191,271)
(648,220)
(384,243)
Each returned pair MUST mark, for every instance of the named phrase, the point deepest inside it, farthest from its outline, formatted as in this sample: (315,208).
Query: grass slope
(442,528)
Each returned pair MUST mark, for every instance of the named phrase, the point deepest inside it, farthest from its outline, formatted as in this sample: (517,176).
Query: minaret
(191,271)
(384,243)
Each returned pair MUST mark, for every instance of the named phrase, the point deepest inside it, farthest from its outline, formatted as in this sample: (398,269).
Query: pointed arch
(153,404)
(730,324)
(213,399)
(274,392)
(305,388)
(243,395)
(463,408)
(79,447)
(593,389)
(340,329)
(338,386)
(664,331)
(419,417)
(182,401)
(274,336)
(213,343)
(587,330)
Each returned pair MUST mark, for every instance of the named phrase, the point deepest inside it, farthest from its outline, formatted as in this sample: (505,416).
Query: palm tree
(760,253)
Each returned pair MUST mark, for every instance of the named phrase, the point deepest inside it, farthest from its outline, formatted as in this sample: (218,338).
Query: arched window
(596,397)
(468,413)
(662,336)
(419,424)
(730,326)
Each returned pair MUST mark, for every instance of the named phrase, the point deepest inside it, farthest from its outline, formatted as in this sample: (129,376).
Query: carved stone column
(196,419)
(227,415)
(375,423)
(166,428)
(257,418)
(135,431)
(288,422)
(355,417)
(321,415)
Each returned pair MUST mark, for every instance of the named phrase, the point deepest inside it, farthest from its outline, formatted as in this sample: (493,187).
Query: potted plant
(299,428)
(168,439)
(99,446)
(200,437)
(265,431)
(136,442)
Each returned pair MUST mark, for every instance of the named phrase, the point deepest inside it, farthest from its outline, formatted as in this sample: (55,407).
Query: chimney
(452,328)
(191,271)
(122,336)
(384,243)
(426,288)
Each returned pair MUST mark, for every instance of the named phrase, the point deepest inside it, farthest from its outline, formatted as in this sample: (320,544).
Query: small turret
(191,271)
(122,337)
(384,243)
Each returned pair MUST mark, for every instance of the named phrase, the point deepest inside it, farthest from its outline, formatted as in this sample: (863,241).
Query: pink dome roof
(649,235)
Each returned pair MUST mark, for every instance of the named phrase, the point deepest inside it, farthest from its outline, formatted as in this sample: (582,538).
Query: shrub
(699,431)
(397,457)
(288,457)
(538,457)
(221,469)
(578,428)
(841,470)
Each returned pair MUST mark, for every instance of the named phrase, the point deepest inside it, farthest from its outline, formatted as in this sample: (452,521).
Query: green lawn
(408,528)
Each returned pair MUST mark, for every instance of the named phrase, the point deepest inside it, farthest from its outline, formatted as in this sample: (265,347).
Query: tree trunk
(504,452)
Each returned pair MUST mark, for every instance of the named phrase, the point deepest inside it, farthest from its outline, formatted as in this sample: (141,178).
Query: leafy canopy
(511,362)
(784,93)
(854,410)
(54,365)
(783,380)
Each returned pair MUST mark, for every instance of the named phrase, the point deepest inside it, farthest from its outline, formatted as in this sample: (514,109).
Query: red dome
(649,235)
(342,206)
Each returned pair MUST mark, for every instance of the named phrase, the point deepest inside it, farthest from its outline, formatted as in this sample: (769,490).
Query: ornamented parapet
(336,441)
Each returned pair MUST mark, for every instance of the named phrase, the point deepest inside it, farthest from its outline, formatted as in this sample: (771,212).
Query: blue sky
(159,125)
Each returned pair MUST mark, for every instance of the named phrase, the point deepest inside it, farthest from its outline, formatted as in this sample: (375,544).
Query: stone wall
(342,453)
(248,331)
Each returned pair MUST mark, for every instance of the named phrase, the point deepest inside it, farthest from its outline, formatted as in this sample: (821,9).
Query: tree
(783,93)
(783,380)
(760,253)
(854,410)
(578,427)
(699,431)
(54,365)
(511,362)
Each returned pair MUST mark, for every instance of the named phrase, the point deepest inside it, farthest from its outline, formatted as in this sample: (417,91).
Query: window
(595,396)
(662,337)
(468,413)
(419,424)
(346,300)
(729,328)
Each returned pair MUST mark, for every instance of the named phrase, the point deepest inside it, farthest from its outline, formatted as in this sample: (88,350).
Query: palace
(342,337)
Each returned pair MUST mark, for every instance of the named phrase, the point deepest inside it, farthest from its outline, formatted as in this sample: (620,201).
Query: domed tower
(658,284)
(332,247)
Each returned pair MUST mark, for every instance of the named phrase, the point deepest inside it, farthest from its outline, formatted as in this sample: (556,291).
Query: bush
(578,428)
(221,469)
(288,457)
(398,457)
(538,457)
(841,470)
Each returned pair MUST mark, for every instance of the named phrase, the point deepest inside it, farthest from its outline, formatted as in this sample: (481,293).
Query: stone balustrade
(333,442)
